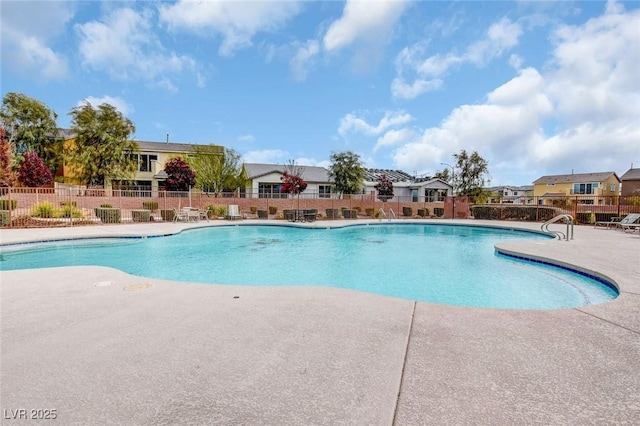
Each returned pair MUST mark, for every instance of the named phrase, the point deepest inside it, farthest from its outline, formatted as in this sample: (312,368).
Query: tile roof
(576,178)
(373,175)
(631,174)
(309,173)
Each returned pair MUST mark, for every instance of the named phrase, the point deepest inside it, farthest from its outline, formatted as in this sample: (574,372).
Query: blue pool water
(437,263)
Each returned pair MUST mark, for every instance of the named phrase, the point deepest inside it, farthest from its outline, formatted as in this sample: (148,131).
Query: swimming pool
(446,264)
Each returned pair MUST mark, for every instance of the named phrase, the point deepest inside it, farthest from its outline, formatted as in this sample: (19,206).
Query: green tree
(346,172)
(31,126)
(103,149)
(217,169)
(471,172)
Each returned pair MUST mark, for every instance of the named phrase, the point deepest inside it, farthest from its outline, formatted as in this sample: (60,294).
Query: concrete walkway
(99,346)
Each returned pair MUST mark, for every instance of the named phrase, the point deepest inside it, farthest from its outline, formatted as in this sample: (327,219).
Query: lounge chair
(619,223)
(180,215)
(234,212)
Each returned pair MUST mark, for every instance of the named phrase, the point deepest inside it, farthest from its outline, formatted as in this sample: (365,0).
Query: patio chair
(180,215)
(234,212)
(620,222)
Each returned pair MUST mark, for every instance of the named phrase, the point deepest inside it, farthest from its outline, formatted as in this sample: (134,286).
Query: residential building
(265,182)
(588,188)
(631,182)
(512,194)
(407,187)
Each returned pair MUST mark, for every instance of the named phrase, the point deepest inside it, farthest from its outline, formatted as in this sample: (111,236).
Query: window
(414,195)
(324,191)
(584,188)
(435,195)
(145,161)
(270,190)
(613,187)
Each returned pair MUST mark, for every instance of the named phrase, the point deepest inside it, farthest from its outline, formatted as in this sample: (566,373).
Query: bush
(584,217)
(423,212)
(106,205)
(253,209)
(108,215)
(4,217)
(43,210)
(273,209)
(167,215)
(358,209)
(332,213)
(407,211)
(369,211)
(69,211)
(68,203)
(150,205)
(525,213)
(141,215)
(216,211)
(4,204)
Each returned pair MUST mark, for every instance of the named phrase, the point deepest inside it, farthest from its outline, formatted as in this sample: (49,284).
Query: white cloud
(236,21)
(394,137)
(588,100)
(27,35)
(427,72)
(363,21)
(246,138)
(303,58)
(266,156)
(120,104)
(124,46)
(352,123)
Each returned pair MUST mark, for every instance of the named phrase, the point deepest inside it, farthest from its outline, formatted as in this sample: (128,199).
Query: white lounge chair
(234,212)
(627,220)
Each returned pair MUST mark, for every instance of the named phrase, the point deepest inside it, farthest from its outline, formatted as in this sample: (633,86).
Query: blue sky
(535,87)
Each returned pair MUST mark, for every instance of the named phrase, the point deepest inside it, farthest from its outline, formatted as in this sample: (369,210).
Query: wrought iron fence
(76,205)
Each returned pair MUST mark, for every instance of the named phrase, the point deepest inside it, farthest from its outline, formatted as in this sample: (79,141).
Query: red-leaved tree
(7,177)
(33,172)
(180,176)
(292,184)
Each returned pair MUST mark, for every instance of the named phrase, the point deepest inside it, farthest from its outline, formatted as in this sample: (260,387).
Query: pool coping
(446,364)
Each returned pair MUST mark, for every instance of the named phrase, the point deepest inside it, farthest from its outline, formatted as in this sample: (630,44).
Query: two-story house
(588,188)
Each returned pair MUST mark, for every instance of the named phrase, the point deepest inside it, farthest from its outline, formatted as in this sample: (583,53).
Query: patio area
(101,346)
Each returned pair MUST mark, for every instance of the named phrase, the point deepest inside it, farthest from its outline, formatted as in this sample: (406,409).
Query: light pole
(453,181)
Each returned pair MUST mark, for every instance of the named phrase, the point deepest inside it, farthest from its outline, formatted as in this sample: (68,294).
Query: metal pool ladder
(568,219)
(383,214)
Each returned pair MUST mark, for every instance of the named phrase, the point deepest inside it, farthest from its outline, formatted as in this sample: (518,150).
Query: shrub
(106,205)
(332,213)
(150,205)
(526,213)
(33,172)
(253,209)
(358,209)
(68,203)
(140,215)
(407,211)
(273,209)
(108,215)
(216,211)
(4,204)
(167,215)
(68,211)
(584,217)
(369,211)
(423,212)
(4,218)
(43,210)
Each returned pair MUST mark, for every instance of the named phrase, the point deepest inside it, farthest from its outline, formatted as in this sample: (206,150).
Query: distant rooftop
(576,178)
(309,173)
(373,175)
(631,174)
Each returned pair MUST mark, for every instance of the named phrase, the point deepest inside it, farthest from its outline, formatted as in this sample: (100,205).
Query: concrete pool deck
(100,346)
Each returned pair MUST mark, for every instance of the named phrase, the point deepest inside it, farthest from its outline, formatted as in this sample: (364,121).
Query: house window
(613,187)
(435,195)
(145,162)
(270,190)
(414,195)
(584,188)
(324,191)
